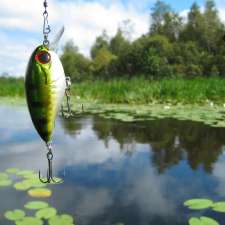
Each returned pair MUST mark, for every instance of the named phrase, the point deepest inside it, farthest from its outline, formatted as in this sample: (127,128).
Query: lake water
(136,173)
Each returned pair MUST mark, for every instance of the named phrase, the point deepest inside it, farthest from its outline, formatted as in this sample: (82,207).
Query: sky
(21,24)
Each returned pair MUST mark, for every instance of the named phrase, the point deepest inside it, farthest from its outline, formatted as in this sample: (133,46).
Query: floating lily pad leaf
(36,205)
(31,176)
(16,214)
(46,213)
(195,221)
(34,182)
(22,186)
(61,220)
(58,180)
(197,204)
(219,207)
(208,221)
(3,176)
(12,170)
(29,221)
(25,172)
(40,192)
(5,183)
(202,221)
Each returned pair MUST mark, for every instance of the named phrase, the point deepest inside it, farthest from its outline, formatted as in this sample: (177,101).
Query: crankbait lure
(45,86)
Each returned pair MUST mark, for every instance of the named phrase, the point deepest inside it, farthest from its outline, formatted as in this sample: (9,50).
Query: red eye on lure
(43,57)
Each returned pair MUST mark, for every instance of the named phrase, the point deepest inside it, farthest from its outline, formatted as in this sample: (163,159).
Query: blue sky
(21,26)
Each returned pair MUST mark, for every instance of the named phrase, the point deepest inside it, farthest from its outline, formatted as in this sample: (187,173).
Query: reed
(136,91)
(143,91)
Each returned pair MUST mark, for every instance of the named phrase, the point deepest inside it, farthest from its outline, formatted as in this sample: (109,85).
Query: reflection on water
(169,141)
(133,173)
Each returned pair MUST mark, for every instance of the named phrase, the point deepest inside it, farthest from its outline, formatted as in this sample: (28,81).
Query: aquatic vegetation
(16,214)
(34,182)
(197,204)
(202,221)
(61,220)
(22,186)
(36,205)
(144,91)
(40,192)
(3,176)
(12,170)
(46,213)
(57,180)
(29,221)
(5,183)
(43,211)
(25,173)
(219,207)
(212,116)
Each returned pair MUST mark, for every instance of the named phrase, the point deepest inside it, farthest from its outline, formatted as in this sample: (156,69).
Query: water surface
(136,173)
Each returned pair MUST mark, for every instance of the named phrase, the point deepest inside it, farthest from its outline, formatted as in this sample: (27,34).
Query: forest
(174,46)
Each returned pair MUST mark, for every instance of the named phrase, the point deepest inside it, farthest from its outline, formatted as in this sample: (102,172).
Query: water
(131,173)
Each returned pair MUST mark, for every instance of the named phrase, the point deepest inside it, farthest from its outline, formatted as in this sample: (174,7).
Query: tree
(118,44)
(195,26)
(101,41)
(75,64)
(127,29)
(165,21)
(157,16)
(213,27)
(102,61)
(150,55)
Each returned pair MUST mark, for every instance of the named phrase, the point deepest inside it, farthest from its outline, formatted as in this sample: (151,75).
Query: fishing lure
(45,86)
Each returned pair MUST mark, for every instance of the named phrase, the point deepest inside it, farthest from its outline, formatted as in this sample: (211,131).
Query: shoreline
(209,114)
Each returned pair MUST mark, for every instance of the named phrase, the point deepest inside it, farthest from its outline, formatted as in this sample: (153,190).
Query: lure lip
(43,57)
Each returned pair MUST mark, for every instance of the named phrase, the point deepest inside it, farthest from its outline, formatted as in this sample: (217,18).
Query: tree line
(174,46)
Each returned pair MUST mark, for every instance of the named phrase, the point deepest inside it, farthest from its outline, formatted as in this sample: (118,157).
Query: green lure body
(45,87)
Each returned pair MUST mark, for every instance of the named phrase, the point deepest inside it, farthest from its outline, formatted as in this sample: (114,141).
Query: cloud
(21,25)
(218,173)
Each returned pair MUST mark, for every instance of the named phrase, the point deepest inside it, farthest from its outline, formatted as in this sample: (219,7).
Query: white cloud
(84,20)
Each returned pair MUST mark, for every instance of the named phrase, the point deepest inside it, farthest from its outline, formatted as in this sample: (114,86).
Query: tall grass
(11,87)
(142,91)
(136,91)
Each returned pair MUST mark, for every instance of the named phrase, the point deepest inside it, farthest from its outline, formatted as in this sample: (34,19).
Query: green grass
(136,91)
(142,91)
(11,87)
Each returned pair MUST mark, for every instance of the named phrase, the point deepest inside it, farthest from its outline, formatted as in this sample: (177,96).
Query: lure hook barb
(50,177)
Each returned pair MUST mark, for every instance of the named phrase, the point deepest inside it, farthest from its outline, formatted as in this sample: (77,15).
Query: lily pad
(29,221)
(14,215)
(61,220)
(3,176)
(36,205)
(25,173)
(40,192)
(5,183)
(197,204)
(46,213)
(31,176)
(34,182)
(208,221)
(219,207)
(58,180)
(202,221)
(22,186)
(195,221)
(12,170)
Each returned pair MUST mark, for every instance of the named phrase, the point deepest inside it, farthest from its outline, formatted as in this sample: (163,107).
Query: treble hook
(49,171)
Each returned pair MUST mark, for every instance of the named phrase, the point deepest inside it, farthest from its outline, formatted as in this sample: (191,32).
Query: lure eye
(43,57)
